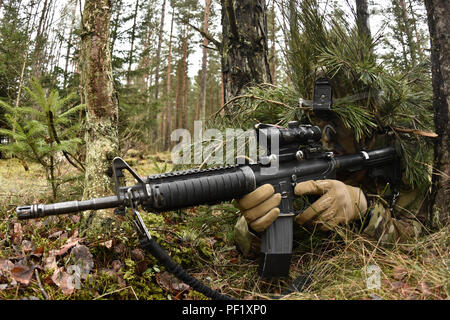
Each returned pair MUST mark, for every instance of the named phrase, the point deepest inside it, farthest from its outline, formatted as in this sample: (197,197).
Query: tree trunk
(116,25)
(69,45)
(102,141)
(40,42)
(158,50)
(244,50)
(168,128)
(362,18)
(204,61)
(133,36)
(25,58)
(408,32)
(184,112)
(273,59)
(438,13)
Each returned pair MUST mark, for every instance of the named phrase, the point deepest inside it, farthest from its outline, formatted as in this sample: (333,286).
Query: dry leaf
(107,244)
(210,241)
(399,272)
(55,234)
(5,266)
(27,246)
(22,274)
(50,262)
(116,265)
(75,218)
(170,283)
(38,252)
(137,255)
(18,233)
(64,281)
(120,248)
(71,242)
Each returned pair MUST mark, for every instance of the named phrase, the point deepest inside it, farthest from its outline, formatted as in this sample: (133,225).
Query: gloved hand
(260,207)
(338,204)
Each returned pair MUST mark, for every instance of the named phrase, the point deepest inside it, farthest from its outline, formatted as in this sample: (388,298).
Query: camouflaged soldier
(346,201)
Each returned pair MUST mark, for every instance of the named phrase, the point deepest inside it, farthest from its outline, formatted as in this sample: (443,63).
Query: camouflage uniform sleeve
(247,242)
(399,226)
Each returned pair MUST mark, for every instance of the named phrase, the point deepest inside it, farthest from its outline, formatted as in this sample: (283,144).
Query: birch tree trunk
(102,141)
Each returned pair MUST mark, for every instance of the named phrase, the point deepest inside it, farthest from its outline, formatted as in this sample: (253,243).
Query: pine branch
(207,35)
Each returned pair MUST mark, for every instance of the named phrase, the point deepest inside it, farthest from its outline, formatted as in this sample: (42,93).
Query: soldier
(382,214)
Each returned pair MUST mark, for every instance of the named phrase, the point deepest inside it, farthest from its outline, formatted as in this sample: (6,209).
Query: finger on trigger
(255,197)
(265,221)
(313,210)
(262,208)
(312,187)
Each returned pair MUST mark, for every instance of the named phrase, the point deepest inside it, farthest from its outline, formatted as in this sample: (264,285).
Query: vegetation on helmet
(368,96)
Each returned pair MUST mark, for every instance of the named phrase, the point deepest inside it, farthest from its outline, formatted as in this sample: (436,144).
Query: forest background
(165,66)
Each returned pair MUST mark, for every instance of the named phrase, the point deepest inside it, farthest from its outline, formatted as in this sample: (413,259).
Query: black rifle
(177,190)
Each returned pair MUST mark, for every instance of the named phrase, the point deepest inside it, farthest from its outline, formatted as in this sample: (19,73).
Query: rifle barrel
(42,210)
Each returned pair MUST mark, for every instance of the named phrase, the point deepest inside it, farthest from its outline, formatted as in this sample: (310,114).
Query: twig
(416,132)
(118,290)
(252,96)
(44,293)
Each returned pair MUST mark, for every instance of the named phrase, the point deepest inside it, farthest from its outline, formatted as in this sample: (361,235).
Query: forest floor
(41,259)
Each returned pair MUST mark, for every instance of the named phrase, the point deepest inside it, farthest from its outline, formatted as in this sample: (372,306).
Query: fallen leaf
(120,248)
(51,220)
(116,265)
(107,244)
(399,272)
(5,266)
(234,260)
(38,252)
(50,262)
(141,266)
(210,241)
(217,213)
(22,273)
(71,242)
(17,233)
(64,281)
(55,235)
(27,246)
(170,283)
(137,255)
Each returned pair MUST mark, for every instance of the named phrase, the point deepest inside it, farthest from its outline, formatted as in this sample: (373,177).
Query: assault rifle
(299,157)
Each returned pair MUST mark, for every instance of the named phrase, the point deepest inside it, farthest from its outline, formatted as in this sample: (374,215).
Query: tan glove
(338,204)
(260,207)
